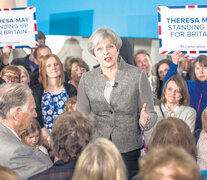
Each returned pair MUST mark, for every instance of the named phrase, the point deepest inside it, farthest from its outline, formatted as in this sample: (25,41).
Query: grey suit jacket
(25,160)
(118,120)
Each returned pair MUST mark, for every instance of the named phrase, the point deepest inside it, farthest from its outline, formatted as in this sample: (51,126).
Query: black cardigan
(38,91)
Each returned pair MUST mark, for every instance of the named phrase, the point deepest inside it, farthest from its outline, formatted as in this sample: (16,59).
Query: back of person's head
(71,104)
(13,95)
(72,131)
(173,131)
(100,160)
(8,174)
(168,163)
(41,37)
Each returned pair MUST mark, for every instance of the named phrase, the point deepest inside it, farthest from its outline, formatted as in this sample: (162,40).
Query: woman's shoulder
(187,109)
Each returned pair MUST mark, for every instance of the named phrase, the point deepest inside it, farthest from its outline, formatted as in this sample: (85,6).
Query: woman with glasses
(10,73)
(174,103)
(197,88)
(75,67)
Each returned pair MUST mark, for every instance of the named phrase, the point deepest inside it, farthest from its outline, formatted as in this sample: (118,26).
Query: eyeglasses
(175,91)
(11,77)
(81,69)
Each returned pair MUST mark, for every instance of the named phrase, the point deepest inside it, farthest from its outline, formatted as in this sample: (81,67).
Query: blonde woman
(24,79)
(100,160)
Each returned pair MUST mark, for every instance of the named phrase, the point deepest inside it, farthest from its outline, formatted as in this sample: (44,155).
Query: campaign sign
(18,27)
(182,28)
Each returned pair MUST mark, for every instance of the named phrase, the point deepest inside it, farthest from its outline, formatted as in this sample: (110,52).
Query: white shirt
(108,89)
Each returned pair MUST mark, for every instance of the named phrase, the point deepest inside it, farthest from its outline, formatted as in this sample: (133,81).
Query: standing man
(143,61)
(29,61)
(40,52)
(17,109)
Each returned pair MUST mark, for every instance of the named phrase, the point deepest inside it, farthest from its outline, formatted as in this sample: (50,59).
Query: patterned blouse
(53,105)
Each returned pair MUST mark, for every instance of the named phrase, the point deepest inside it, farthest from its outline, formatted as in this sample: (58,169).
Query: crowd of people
(115,122)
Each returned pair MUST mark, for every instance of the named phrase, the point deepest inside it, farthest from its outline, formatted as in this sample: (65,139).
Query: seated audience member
(39,53)
(174,103)
(17,109)
(51,94)
(75,67)
(71,133)
(4,56)
(173,131)
(100,160)
(198,88)
(29,62)
(162,68)
(143,61)
(71,105)
(24,78)
(10,73)
(32,136)
(202,143)
(168,163)
(8,174)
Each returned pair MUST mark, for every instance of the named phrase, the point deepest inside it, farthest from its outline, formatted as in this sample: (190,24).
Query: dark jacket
(38,91)
(24,61)
(59,170)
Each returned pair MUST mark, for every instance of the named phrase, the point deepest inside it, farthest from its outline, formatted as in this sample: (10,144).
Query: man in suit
(17,109)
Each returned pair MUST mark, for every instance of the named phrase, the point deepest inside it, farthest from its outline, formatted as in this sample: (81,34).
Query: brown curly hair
(71,133)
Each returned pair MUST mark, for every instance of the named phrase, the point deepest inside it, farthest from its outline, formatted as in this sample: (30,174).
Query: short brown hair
(202,59)
(69,61)
(180,82)
(10,69)
(72,101)
(72,131)
(181,165)
(43,73)
(173,131)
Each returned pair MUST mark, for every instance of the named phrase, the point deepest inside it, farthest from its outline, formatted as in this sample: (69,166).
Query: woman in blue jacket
(198,88)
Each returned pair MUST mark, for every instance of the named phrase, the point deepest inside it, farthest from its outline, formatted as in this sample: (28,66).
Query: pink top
(202,150)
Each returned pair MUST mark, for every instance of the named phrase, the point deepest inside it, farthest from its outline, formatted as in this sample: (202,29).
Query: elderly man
(17,109)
